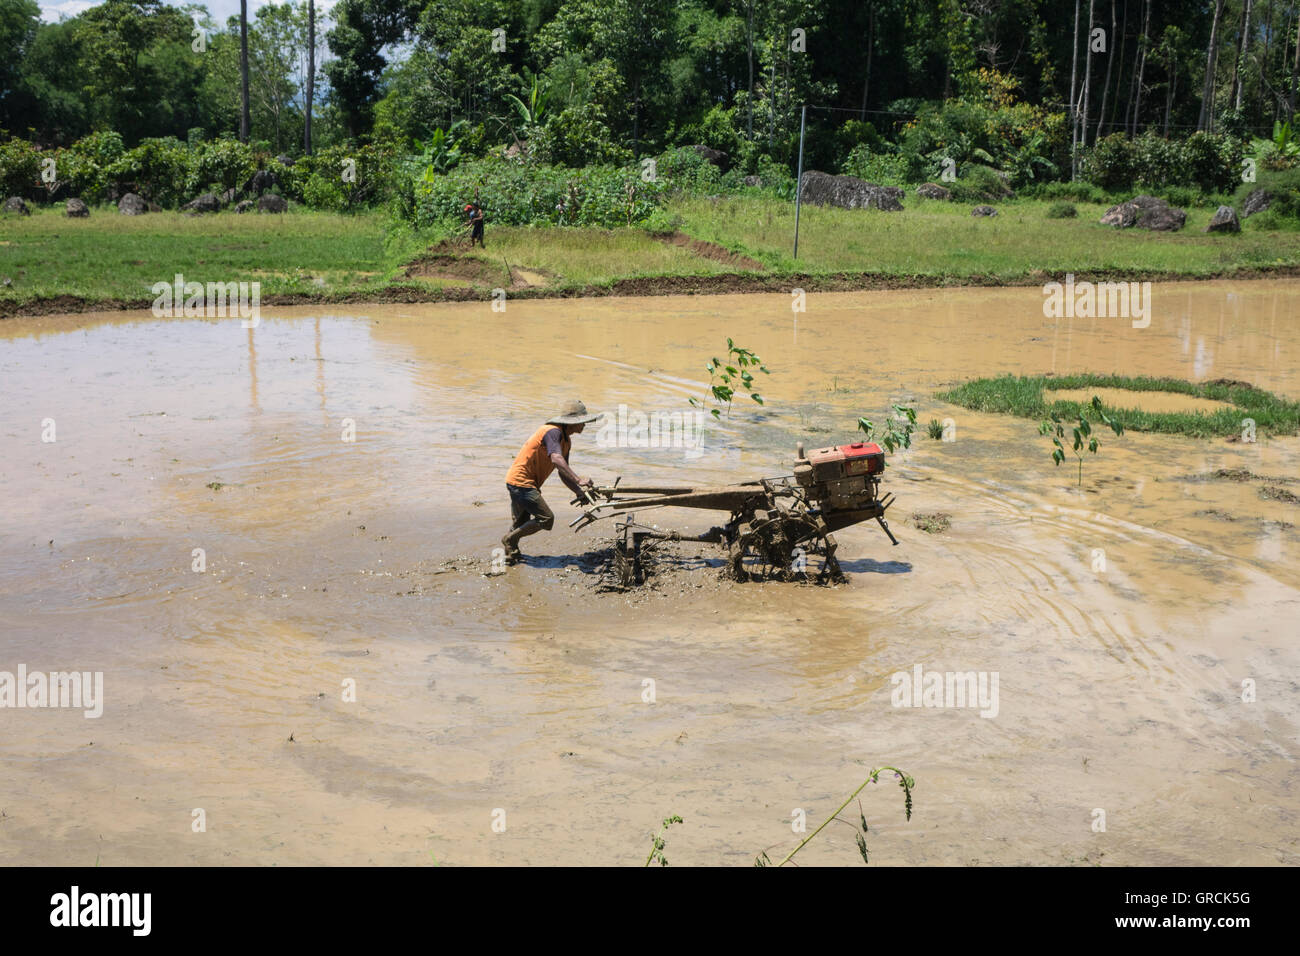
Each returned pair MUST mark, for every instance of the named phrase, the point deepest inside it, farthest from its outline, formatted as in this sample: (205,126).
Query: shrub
(577,137)
(1109,163)
(1284,185)
(717,129)
(1213,162)
(684,170)
(881,168)
(219,165)
(318,180)
(986,126)
(1062,210)
(20,169)
(157,169)
(981,184)
(1076,191)
(534,194)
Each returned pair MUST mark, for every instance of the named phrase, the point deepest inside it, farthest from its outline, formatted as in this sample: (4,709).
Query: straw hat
(573,413)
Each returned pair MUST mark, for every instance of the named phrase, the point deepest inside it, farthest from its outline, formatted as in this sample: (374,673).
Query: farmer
(546,451)
(475,224)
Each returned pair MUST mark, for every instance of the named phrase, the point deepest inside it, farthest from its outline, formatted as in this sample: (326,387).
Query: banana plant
(440,153)
(532,112)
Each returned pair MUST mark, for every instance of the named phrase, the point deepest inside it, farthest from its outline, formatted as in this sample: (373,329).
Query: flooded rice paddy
(201,531)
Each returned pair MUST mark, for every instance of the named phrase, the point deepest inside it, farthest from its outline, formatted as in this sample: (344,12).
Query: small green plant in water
(658,844)
(935,429)
(907,783)
(898,429)
(1082,435)
(729,378)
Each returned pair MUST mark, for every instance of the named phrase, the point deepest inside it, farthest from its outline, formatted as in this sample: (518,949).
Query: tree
(1243,46)
(19,20)
(1206,121)
(244,121)
(311,73)
(362,29)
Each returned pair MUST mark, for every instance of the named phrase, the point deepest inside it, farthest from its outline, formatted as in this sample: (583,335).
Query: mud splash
(314,655)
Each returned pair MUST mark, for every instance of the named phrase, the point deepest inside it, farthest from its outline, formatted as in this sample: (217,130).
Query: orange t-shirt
(533,464)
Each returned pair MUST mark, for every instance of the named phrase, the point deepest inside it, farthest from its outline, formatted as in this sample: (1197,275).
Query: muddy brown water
(328,562)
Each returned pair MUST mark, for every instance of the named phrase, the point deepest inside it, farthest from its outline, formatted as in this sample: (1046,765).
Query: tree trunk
(1087,77)
(871,42)
(1169,95)
(1142,66)
(1206,120)
(1119,75)
(1074,85)
(1110,60)
(311,72)
(244,123)
(1243,45)
(1295,69)
(749,36)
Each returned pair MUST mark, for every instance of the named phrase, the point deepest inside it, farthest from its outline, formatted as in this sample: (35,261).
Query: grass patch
(934,523)
(1030,397)
(113,259)
(943,239)
(111,256)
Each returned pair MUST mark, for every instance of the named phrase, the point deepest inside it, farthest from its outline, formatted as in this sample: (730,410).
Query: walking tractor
(775,524)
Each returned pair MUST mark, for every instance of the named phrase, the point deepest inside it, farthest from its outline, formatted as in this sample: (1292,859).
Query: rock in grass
(848,192)
(132,205)
(756,181)
(1148,212)
(77,209)
(1257,201)
(208,202)
(983,211)
(245,206)
(262,181)
(1224,220)
(272,203)
(715,156)
(1121,216)
(933,191)
(17,204)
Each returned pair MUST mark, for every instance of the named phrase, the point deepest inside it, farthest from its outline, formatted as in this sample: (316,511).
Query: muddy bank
(720,284)
(710,250)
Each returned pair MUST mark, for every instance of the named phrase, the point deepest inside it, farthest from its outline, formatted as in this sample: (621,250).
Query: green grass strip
(1029,397)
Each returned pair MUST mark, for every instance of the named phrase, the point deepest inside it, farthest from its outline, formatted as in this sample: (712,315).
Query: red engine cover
(860,458)
(869,450)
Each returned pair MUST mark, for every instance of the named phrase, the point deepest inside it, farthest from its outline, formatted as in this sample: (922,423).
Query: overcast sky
(220,9)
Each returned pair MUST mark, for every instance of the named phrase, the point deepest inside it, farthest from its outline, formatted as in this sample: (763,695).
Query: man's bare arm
(568,475)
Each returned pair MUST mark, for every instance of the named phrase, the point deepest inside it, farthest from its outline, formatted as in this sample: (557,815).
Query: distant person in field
(546,451)
(475,224)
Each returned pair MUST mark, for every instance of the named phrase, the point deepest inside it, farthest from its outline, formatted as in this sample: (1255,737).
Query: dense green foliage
(1184,98)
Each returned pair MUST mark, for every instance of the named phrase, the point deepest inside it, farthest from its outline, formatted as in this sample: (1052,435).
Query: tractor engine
(842,477)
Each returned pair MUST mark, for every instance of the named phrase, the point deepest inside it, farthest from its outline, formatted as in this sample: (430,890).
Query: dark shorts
(528,503)
(478,230)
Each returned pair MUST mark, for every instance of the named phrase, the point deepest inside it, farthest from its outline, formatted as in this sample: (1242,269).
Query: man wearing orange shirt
(545,451)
